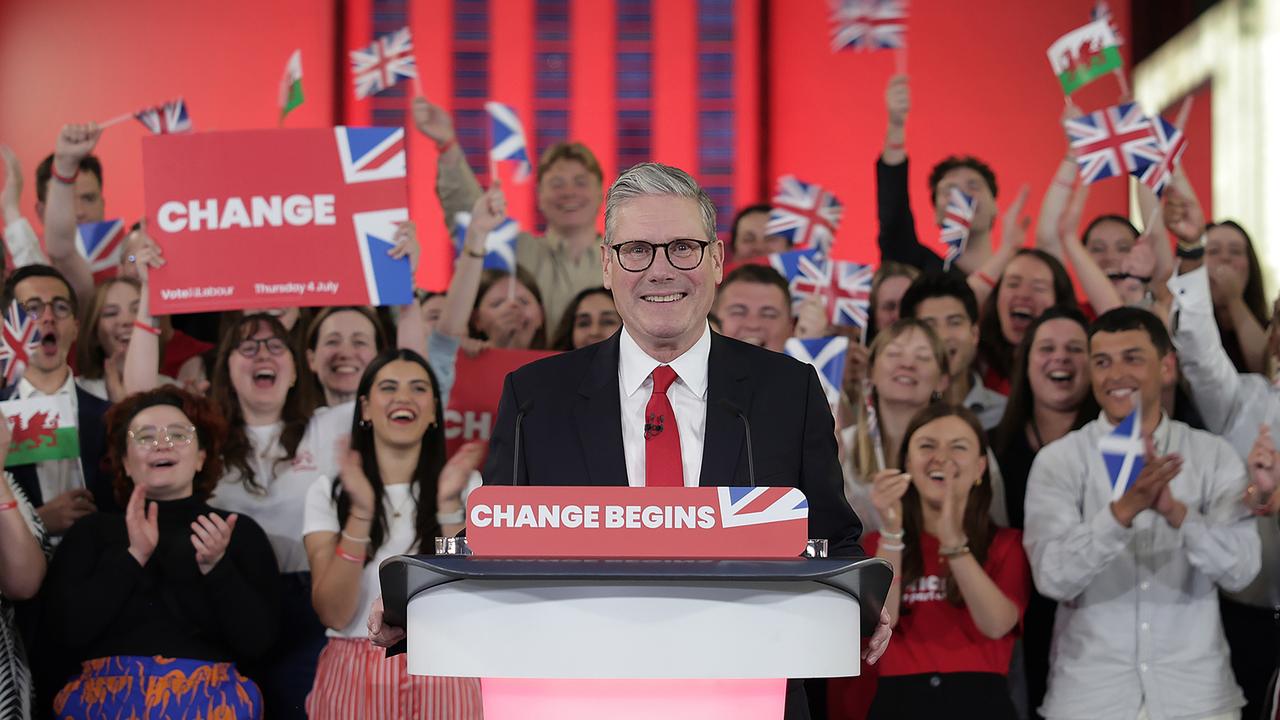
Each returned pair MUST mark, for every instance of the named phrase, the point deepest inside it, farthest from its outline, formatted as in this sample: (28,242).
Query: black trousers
(1253,633)
(943,695)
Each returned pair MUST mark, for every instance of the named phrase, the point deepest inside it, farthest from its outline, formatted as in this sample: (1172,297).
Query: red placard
(473,402)
(276,218)
(625,522)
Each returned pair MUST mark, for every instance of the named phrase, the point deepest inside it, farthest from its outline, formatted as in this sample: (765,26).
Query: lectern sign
(625,522)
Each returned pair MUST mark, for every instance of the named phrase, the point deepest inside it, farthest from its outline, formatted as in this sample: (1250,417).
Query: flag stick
(114,121)
(417,85)
(1151,217)
(900,60)
(1184,112)
(1124,83)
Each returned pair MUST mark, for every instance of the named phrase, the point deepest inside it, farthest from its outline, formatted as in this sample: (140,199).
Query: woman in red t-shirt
(961,583)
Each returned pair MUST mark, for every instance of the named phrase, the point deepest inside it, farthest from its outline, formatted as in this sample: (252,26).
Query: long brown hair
(235,454)
(491,277)
(978,526)
(995,352)
(307,377)
(91,357)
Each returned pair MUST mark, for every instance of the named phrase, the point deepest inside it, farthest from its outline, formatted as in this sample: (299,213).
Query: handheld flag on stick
(21,340)
(1085,54)
(827,355)
(868,24)
(1112,141)
(165,119)
(805,214)
(1170,143)
(845,287)
(956,222)
(291,85)
(1123,451)
(381,65)
(43,428)
(507,140)
(499,246)
(101,243)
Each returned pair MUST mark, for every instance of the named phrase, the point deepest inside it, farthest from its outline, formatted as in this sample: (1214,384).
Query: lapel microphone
(733,409)
(515,460)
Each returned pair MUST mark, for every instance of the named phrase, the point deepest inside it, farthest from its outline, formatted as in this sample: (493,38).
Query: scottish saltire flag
(101,243)
(370,153)
(805,214)
(170,117)
(42,428)
(957,218)
(499,246)
(390,280)
(1123,451)
(868,24)
(827,355)
(1171,143)
(845,287)
(384,63)
(1112,141)
(506,138)
(741,506)
(21,340)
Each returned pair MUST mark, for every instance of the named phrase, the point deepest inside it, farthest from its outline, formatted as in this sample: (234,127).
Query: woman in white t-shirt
(395,493)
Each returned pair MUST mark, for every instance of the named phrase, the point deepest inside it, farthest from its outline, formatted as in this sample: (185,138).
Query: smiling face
(115,323)
(595,319)
(1109,243)
(755,313)
(1026,291)
(664,309)
(751,240)
(569,196)
(346,342)
(263,377)
(889,300)
(906,371)
(56,333)
(163,454)
(1058,365)
(504,311)
(400,404)
(959,335)
(1227,246)
(1124,366)
(944,453)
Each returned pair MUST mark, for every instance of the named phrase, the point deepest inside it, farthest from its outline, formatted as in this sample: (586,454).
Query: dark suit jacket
(572,430)
(93,448)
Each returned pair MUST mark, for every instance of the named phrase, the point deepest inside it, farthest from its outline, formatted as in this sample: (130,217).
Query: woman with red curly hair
(161,602)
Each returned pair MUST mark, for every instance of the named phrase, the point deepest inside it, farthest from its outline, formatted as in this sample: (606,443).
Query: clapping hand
(1264,473)
(1149,487)
(143,525)
(210,536)
(887,488)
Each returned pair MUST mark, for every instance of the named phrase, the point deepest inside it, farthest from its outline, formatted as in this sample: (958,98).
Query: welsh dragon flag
(291,84)
(42,428)
(1085,54)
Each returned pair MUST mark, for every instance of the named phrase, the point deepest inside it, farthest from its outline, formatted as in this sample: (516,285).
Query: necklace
(398,508)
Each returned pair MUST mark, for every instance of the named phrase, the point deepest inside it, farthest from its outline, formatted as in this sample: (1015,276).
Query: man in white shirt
(1138,633)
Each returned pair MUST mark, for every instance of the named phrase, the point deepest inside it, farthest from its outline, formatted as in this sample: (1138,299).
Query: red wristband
(986,279)
(443,148)
(895,146)
(348,556)
(146,328)
(8,505)
(53,170)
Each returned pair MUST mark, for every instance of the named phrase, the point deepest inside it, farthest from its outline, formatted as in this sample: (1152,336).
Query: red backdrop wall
(980,85)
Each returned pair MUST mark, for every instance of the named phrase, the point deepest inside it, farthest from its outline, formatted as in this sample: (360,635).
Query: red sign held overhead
(473,405)
(624,522)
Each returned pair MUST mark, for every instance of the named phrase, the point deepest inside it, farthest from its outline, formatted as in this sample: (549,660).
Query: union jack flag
(956,221)
(1112,141)
(499,246)
(165,119)
(868,24)
(379,66)
(741,506)
(827,355)
(21,340)
(1123,451)
(370,153)
(805,214)
(100,243)
(1171,143)
(845,287)
(506,138)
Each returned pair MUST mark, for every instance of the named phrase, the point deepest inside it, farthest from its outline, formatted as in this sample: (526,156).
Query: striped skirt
(127,686)
(355,679)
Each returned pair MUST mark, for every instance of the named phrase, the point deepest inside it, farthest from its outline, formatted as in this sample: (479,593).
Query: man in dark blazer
(591,416)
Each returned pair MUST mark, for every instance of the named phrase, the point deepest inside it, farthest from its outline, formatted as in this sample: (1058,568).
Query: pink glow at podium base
(572,699)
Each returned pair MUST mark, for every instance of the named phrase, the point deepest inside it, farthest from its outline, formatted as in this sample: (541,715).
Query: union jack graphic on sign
(389,279)
(741,506)
(370,153)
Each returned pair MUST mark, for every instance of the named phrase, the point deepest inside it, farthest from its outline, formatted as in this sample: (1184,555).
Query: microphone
(746,428)
(515,460)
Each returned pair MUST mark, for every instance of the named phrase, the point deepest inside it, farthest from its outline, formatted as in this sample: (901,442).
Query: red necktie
(662,466)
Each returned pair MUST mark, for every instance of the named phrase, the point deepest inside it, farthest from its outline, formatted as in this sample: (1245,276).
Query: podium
(634,638)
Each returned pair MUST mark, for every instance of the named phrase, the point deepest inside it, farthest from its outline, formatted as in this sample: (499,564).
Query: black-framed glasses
(250,347)
(150,436)
(638,255)
(35,307)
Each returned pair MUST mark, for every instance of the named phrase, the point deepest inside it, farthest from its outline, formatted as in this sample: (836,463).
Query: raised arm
(19,237)
(337,554)
(74,143)
(142,358)
(1101,292)
(897,234)
(486,214)
(409,332)
(456,185)
(1057,198)
(1013,236)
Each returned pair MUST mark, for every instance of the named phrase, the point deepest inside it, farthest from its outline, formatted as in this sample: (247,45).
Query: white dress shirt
(1137,619)
(688,396)
(56,476)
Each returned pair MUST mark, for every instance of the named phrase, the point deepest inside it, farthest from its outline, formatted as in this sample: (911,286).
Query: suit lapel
(598,415)
(722,445)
